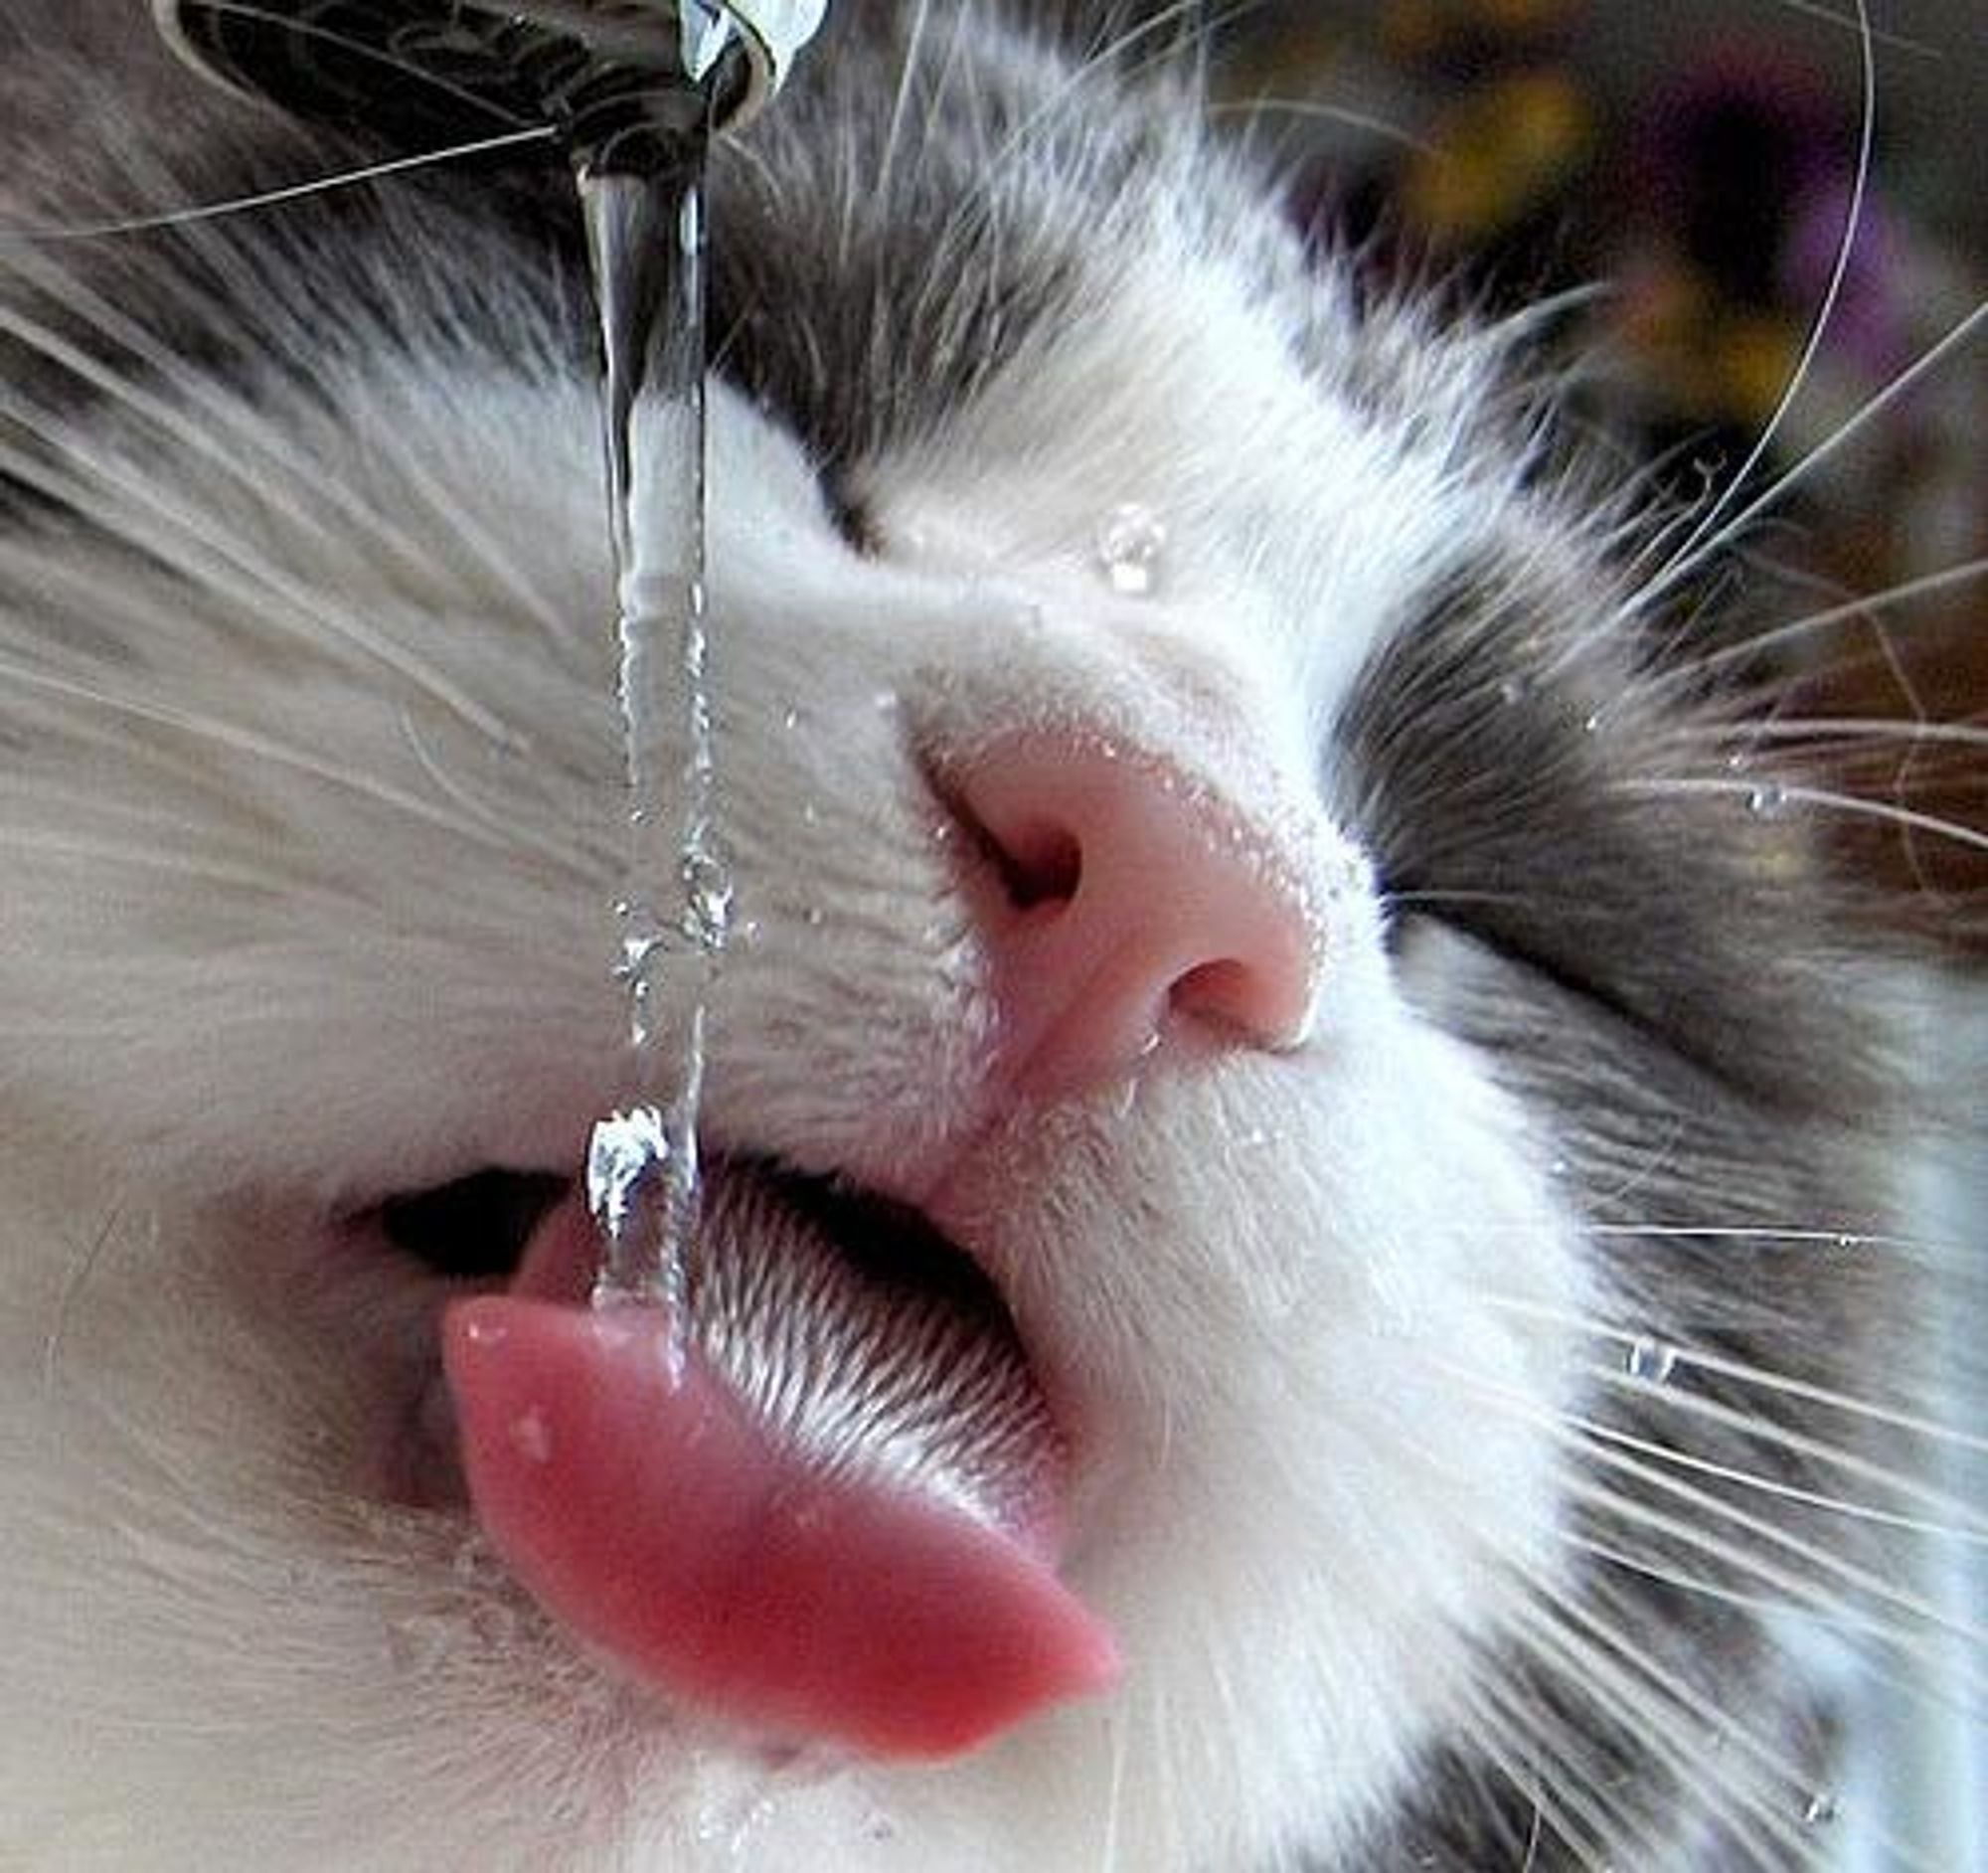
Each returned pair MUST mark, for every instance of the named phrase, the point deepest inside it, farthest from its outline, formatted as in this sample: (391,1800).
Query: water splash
(1650,1359)
(1131,545)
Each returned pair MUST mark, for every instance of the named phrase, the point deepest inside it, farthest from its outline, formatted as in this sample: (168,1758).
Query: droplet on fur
(1820,1810)
(791,718)
(814,917)
(1512,690)
(1591,725)
(1650,1359)
(729,1821)
(1131,543)
(1767,800)
(420,1641)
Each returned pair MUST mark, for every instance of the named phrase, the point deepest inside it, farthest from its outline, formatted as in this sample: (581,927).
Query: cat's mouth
(823,1501)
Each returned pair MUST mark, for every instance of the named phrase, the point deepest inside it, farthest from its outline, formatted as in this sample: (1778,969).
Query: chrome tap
(626,86)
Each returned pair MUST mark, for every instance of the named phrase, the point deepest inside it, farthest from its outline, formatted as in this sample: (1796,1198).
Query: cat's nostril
(1040,863)
(1129,895)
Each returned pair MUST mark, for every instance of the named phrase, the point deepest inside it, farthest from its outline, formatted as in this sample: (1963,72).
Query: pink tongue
(656,1518)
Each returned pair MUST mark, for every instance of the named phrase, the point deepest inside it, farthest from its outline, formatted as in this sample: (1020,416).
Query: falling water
(645,236)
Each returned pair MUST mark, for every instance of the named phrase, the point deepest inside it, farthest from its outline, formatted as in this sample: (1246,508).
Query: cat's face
(1205,839)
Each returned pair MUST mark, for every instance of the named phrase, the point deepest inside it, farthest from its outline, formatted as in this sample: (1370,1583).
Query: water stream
(645,236)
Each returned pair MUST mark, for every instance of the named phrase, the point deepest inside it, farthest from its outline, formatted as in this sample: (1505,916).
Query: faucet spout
(626,86)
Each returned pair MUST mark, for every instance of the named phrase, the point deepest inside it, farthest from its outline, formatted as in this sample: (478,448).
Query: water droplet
(635,955)
(622,1151)
(1559,1168)
(1512,690)
(707,895)
(1650,1359)
(420,1641)
(791,718)
(532,1437)
(814,917)
(1591,725)
(1131,542)
(1767,800)
(1820,1810)
(810,813)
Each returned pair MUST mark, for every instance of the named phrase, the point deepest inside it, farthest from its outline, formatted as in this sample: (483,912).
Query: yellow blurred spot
(1498,153)
(1753,356)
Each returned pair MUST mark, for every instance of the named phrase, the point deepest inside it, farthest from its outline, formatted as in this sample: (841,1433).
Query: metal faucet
(627,85)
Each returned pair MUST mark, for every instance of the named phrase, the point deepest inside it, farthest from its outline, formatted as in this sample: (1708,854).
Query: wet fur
(307,827)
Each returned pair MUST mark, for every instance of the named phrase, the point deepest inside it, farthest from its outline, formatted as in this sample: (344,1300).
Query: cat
(1245,933)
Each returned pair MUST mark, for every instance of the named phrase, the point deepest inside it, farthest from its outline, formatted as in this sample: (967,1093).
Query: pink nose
(1129,895)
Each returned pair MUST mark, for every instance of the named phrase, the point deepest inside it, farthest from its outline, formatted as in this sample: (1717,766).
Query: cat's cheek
(1305,1315)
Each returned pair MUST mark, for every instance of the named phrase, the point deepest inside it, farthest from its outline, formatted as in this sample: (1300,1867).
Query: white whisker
(1678,568)
(507,829)
(1826,731)
(274,198)
(1570,1800)
(1906,1626)
(1695,669)
(1313,110)
(1728,1735)
(1955,1520)
(239,740)
(1794,794)
(219,553)
(1949,1519)
(1687,1357)
(1636,1689)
